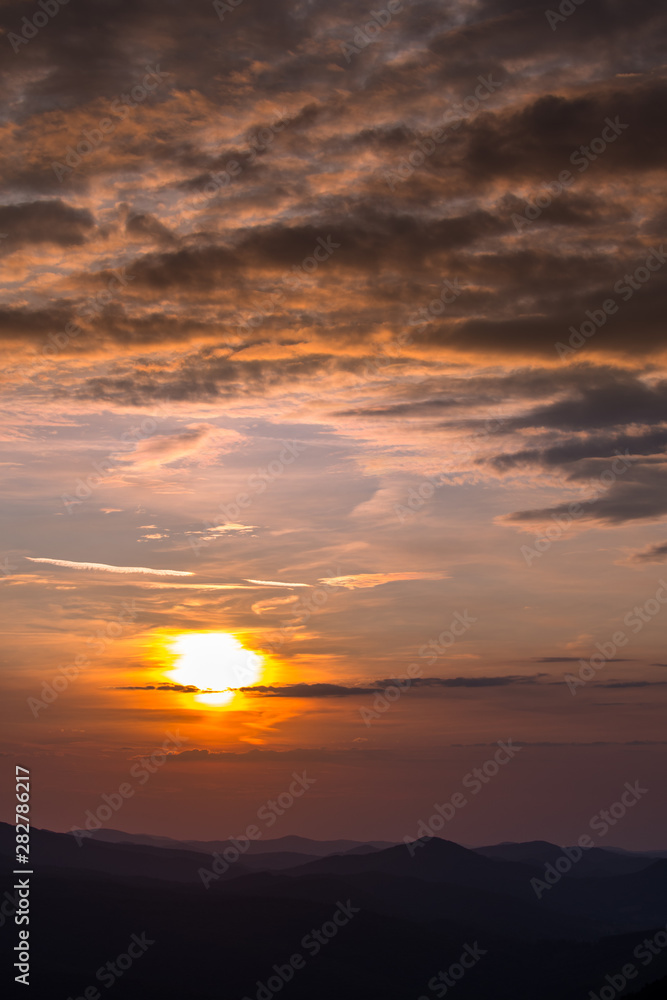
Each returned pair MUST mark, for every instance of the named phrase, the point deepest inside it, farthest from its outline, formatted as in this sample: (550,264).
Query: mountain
(594,861)
(293,844)
(606,902)
(403,919)
(60,852)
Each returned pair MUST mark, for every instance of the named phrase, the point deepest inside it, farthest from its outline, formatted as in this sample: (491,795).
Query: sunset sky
(287,331)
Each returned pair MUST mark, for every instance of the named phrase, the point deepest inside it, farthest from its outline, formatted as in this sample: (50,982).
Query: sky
(334,354)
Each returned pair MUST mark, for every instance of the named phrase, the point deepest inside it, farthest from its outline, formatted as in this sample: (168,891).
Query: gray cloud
(653,553)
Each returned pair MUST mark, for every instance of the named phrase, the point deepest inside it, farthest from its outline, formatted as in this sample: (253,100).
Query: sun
(214,661)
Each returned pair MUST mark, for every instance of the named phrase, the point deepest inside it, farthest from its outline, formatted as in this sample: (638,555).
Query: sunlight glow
(214,660)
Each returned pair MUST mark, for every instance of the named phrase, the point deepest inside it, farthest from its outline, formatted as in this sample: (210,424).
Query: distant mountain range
(297,845)
(543,929)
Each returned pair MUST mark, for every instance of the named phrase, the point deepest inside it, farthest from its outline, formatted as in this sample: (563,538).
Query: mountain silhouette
(414,912)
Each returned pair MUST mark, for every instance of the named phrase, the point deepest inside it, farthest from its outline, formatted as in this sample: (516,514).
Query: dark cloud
(575,450)
(641,495)
(51,221)
(260,754)
(147,227)
(572,659)
(557,659)
(307,690)
(530,142)
(632,684)
(178,688)
(653,553)
(215,272)
(469,682)
(201,378)
(342,691)
(346,691)
(620,400)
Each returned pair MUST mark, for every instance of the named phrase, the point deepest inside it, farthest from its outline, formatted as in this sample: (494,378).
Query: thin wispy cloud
(192,586)
(359,581)
(106,568)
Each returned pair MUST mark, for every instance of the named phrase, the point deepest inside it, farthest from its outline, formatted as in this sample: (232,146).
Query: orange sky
(326,345)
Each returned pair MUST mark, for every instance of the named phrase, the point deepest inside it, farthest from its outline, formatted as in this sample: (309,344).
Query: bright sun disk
(214,660)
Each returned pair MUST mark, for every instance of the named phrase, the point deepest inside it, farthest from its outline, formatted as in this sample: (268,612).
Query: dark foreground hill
(443,922)
(656,991)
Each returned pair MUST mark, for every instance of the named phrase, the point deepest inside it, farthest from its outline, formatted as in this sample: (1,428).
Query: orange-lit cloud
(104,568)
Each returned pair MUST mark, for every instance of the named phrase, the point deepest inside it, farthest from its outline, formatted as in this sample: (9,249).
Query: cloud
(632,684)
(572,659)
(259,754)
(345,691)
(640,496)
(472,682)
(50,221)
(221,321)
(570,452)
(148,227)
(652,553)
(611,399)
(327,690)
(105,568)
(177,688)
(358,581)
(163,449)
(307,690)
(557,659)
(192,586)
(230,528)
(272,604)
